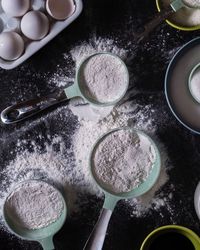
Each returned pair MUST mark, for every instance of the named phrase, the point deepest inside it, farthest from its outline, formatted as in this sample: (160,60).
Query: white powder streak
(67,168)
(80,52)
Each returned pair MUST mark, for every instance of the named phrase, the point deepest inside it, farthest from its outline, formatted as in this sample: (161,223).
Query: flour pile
(123,160)
(62,76)
(34,205)
(67,166)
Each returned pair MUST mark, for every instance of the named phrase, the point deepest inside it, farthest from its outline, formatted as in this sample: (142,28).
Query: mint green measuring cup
(43,235)
(96,239)
(23,110)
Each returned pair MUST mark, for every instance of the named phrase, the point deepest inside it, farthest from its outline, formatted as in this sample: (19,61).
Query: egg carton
(31,47)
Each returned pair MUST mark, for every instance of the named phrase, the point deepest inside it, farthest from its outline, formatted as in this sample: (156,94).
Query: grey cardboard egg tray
(31,47)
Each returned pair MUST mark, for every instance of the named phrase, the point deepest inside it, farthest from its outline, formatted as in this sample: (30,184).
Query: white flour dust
(67,167)
(34,205)
(80,52)
(123,160)
(105,78)
(139,117)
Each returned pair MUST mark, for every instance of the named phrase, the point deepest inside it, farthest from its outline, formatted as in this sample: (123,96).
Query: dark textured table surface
(109,19)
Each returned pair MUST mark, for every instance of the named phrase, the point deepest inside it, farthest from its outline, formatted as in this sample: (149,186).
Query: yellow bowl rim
(185,229)
(175,25)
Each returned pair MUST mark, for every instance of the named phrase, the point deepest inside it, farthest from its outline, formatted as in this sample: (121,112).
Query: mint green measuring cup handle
(47,243)
(97,237)
(177,5)
(72,91)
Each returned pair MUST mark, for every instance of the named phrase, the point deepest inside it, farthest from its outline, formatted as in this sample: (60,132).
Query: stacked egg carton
(27,25)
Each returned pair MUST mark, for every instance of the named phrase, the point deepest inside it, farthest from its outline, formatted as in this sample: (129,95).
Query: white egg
(15,8)
(35,25)
(11,45)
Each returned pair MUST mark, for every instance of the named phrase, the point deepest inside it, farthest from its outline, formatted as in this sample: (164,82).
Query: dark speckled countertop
(109,19)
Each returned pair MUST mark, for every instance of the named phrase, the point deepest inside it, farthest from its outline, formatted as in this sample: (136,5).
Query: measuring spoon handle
(143,32)
(23,110)
(97,237)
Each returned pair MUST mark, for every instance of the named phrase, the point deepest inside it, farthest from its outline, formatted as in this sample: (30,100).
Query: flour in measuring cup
(123,160)
(105,78)
(34,205)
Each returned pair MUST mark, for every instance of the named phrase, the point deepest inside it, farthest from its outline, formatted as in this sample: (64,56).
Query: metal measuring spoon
(96,239)
(176,5)
(43,235)
(23,110)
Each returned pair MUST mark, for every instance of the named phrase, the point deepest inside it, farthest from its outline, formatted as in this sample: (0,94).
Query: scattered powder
(127,114)
(195,85)
(79,53)
(67,167)
(185,16)
(34,205)
(53,164)
(123,160)
(105,78)
(97,44)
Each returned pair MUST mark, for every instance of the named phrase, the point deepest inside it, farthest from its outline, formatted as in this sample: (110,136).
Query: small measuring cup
(143,32)
(23,110)
(96,239)
(195,69)
(43,235)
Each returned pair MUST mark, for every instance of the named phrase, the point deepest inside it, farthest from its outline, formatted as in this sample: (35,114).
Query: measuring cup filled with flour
(125,163)
(170,7)
(35,210)
(102,79)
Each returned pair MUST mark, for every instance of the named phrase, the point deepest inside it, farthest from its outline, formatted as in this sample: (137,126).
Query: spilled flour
(34,205)
(67,166)
(62,76)
(123,160)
